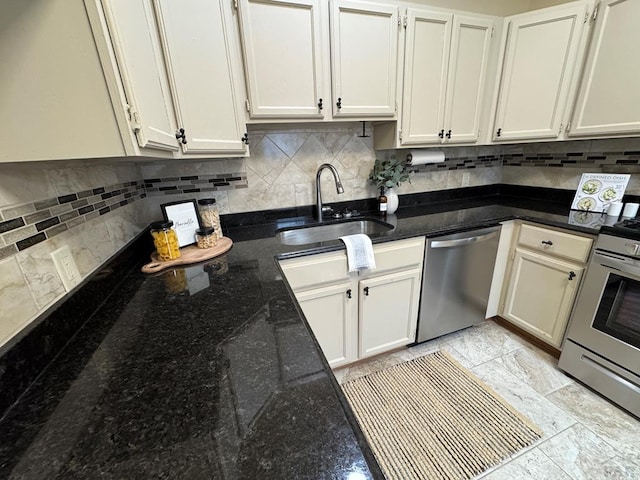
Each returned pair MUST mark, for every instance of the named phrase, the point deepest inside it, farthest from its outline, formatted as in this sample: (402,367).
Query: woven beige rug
(430,418)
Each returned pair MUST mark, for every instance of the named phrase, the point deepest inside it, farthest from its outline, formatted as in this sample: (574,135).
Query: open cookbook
(596,191)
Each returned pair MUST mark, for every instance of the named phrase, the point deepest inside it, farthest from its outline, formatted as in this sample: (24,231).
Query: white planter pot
(392,200)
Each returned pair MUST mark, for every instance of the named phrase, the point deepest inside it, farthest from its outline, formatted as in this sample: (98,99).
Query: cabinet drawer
(315,269)
(399,254)
(556,243)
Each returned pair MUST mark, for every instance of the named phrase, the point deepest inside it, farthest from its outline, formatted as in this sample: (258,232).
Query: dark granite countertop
(210,371)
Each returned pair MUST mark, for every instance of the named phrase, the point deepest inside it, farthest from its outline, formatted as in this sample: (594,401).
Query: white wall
(538,4)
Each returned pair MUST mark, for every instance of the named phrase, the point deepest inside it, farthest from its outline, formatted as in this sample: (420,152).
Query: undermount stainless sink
(331,231)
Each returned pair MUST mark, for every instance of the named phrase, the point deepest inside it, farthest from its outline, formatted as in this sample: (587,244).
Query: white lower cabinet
(331,312)
(541,294)
(356,316)
(546,271)
(388,306)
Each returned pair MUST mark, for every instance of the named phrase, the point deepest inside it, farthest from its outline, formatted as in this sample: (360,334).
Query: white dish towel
(359,252)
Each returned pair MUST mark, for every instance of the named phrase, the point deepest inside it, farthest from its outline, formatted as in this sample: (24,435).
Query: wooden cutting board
(190,254)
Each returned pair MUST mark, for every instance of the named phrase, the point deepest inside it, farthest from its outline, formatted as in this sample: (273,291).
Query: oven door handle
(618,264)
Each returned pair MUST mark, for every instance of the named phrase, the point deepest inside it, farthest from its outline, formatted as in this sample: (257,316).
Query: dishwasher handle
(462,241)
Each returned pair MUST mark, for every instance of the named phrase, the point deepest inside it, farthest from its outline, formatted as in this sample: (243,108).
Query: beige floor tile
(536,368)
(622,467)
(374,364)
(616,427)
(525,399)
(582,454)
(341,374)
(484,342)
(533,465)
(430,346)
(441,343)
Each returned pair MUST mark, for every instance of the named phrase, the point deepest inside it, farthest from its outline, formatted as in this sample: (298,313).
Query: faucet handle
(327,209)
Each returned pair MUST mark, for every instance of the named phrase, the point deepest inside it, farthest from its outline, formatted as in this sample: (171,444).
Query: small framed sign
(184,215)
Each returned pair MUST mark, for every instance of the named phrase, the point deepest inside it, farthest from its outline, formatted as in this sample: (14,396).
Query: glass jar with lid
(210,215)
(165,240)
(206,237)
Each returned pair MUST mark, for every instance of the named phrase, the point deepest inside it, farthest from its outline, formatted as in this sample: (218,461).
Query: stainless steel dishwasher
(456,281)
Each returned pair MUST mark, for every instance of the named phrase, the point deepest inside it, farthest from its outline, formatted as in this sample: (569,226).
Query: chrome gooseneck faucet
(339,188)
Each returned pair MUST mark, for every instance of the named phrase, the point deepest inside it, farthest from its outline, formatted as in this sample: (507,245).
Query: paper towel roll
(422,157)
(630,209)
(614,209)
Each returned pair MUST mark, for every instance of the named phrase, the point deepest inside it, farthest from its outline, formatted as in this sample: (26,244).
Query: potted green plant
(387,174)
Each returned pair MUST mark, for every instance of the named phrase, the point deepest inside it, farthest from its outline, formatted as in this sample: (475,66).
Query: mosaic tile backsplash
(281,171)
(572,159)
(194,184)
(97,206)
(31,223)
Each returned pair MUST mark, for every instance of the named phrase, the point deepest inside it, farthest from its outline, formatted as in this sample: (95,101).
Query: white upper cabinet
(609,97)
(468,61)
(445,68)
(540,53)
(137,48)
(201,60)
(285,57)
(173,73)
(315,60)
(364,49)
(427,46)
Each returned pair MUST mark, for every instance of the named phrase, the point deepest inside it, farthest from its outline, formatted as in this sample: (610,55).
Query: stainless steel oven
(602,348)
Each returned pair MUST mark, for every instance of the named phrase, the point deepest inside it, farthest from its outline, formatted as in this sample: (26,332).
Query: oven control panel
(628,247)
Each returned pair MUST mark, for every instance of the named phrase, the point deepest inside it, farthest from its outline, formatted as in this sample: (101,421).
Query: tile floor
(585,437)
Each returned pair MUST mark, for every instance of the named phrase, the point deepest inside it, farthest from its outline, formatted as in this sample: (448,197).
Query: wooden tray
(190,254)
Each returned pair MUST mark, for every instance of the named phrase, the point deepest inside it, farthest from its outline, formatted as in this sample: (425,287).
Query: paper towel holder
(422,157)
(363,132)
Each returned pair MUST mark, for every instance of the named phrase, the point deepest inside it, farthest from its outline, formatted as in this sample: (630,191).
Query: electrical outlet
(66,266)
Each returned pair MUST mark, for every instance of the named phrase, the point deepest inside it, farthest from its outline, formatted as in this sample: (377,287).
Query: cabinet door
(135,40)
(425,76)
(364,45)
(201,55)
(537,72)
(470,48)
(331,314)
(284,58)
(388,311)
(609,97)
(541,293)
